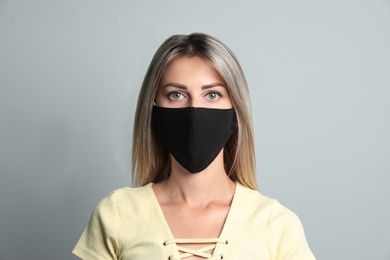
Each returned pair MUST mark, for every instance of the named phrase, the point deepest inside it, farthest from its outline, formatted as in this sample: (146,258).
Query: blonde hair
(150,158)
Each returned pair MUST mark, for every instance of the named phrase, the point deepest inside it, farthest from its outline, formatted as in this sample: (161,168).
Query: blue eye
(175,95)
(213,95)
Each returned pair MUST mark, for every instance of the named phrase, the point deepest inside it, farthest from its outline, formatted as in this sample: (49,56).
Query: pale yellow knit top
(129,224)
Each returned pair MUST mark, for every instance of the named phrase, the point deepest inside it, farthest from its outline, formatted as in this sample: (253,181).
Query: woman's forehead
(191,70)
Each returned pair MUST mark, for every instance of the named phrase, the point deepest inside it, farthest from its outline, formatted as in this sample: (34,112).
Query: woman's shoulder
(126,198)
(269,219)
(264,205)
(254,197)
(132,193)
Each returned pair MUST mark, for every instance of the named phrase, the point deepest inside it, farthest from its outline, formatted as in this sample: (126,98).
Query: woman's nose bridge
(195,100)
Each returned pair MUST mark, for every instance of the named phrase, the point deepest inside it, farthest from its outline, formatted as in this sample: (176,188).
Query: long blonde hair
(150,158)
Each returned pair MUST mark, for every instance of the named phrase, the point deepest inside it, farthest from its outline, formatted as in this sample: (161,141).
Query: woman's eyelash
(212,95)
(175,95)
(218,94)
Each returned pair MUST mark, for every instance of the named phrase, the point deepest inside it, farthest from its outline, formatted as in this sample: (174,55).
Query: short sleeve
(98,240)
(291,242)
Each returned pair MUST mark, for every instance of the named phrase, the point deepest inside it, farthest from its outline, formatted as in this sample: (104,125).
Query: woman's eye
(175,95)
(213,95)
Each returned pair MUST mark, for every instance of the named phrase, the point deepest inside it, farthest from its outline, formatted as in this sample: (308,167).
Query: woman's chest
(235,247)
(148,237)
(196,229)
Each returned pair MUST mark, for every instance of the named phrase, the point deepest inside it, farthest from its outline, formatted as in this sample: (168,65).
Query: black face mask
(194,136)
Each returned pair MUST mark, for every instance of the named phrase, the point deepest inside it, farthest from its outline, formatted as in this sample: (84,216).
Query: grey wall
(319,76)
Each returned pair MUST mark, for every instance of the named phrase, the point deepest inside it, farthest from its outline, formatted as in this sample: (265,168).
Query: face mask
(194,136)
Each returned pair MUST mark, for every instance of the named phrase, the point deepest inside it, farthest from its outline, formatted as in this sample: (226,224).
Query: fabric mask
(194,136)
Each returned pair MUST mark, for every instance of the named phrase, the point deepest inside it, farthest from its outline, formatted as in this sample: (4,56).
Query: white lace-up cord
(187,252)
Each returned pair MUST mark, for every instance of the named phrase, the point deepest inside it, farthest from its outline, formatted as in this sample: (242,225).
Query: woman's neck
(199,189)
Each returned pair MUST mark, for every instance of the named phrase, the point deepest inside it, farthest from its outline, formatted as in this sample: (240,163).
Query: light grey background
(319,75)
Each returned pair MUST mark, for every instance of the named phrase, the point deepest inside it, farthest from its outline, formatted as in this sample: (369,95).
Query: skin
(194,205)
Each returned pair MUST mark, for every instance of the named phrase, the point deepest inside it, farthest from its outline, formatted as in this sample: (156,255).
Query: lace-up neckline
(201,252)
(182,252)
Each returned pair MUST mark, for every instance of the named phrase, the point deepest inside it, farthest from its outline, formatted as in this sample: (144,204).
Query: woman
(194,168)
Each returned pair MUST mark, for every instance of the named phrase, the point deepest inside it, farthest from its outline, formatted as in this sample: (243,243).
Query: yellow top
(129,224)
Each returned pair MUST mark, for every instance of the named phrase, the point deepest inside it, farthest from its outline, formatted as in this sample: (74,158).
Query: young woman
(194,168)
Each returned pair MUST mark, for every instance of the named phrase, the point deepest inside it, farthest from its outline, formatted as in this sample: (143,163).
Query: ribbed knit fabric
(129,224)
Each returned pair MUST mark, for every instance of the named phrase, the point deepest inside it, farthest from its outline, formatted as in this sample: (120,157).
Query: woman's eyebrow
(212,85)
(207,86)
(173,84)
